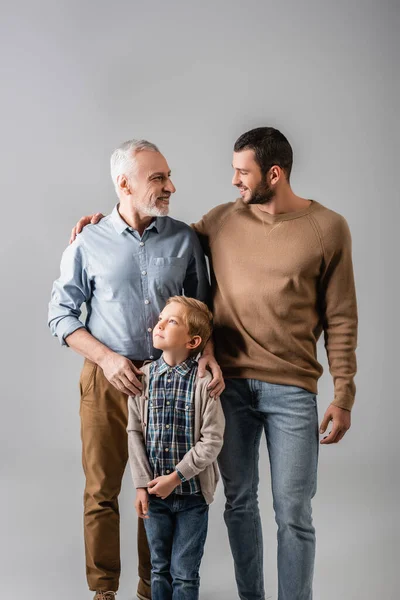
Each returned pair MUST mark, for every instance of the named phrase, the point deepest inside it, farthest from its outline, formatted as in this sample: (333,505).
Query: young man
(281,275)
(175,433)
(124,269)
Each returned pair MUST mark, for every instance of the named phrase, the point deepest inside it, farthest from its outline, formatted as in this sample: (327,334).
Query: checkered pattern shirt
(170,424)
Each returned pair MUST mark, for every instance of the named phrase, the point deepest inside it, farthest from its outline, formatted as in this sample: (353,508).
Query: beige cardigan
(209,425)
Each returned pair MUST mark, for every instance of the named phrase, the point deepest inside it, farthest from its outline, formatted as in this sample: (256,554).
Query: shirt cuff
(181,477)
(67,326)
(345,402)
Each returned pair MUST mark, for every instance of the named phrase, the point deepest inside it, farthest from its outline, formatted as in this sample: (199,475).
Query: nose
(161,324)
(169,187)
(236,179)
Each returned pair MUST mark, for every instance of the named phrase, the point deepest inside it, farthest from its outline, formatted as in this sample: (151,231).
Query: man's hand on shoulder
(217,384)
(341,421)
(83,221)
(121,372)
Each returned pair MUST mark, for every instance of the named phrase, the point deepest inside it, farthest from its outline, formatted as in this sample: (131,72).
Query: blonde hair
(197,318)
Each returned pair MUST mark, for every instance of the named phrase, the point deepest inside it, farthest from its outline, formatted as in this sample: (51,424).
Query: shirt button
(166,449)
(141,244)
(168,471)
(168,380)
(144,272)
(149,329)
(151,356)
(167,426)
(168,403)
(147,301)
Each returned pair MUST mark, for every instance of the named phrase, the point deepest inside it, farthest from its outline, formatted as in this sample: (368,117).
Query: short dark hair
(270,148)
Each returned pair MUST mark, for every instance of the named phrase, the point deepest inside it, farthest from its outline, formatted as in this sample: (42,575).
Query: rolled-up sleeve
(69,292)
(196,283)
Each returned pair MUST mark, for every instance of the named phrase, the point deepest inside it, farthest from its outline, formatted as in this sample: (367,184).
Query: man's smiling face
(253,187)
(150,184)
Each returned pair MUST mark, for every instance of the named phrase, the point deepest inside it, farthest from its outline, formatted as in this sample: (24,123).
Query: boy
(175,433)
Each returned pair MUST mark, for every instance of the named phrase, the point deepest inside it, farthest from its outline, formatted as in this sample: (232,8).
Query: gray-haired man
(124,268)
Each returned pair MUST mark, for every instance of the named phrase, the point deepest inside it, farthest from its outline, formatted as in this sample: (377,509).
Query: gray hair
(123,158)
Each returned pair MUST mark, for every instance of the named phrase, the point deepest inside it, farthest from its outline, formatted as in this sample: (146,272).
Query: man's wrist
(102,356)
(208,349)
(207,353)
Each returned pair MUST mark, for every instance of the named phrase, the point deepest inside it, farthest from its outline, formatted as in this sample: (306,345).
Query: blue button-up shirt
(125,280)
(170,423)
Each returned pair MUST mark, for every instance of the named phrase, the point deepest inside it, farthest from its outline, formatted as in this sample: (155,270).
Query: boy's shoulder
(145,368)
(203,381)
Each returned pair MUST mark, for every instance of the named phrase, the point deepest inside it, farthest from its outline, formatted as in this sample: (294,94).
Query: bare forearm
(85,344)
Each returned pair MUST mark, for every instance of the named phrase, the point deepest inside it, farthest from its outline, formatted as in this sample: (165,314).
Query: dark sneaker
(144,590)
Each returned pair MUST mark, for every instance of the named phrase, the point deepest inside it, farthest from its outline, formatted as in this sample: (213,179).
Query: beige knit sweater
(278,281)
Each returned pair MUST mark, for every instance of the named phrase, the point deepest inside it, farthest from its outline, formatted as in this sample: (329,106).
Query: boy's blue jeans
(288,416)
(176,532)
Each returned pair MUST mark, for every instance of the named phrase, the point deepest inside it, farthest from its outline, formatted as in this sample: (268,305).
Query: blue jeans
(288,415)
(176,532)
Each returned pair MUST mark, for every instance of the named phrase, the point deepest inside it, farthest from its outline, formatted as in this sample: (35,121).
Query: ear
(194,342)
(123,185)
(275,174)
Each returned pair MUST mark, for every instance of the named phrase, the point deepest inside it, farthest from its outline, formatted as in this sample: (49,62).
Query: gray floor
(357,555)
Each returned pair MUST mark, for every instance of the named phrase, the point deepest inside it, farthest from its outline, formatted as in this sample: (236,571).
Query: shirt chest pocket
(184,413)
(169,274)
(157,413)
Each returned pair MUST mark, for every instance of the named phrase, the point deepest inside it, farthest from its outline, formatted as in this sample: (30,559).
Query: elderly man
(281,275)
(124,268)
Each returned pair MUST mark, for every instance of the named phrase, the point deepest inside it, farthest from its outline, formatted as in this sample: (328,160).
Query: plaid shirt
(170,424)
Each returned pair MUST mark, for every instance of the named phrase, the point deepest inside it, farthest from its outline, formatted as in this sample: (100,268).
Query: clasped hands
(161,487)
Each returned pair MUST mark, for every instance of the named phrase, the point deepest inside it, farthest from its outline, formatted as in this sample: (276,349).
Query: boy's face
(171,332)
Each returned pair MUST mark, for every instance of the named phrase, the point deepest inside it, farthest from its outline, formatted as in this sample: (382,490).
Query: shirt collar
(182,369)
(120,225)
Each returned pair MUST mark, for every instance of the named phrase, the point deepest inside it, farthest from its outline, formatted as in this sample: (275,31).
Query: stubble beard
(263,194)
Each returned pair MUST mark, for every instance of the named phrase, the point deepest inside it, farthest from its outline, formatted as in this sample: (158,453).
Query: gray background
(80,77)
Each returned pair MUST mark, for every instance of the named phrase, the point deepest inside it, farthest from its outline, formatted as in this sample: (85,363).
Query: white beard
(154,210)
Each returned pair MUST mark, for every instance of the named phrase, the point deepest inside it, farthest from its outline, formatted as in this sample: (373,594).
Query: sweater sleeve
(206,450)
(209,225)
(339,310)
(138,461)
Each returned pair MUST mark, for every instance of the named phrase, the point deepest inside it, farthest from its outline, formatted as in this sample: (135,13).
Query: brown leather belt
(138,363)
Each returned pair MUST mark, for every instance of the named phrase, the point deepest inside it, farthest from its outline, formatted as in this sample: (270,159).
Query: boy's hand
(142,503)
(164,485)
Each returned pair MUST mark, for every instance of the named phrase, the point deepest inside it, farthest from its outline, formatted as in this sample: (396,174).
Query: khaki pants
(104,417)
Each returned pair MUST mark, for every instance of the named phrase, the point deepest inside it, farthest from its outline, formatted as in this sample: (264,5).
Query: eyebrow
(158,173)
(171,317)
